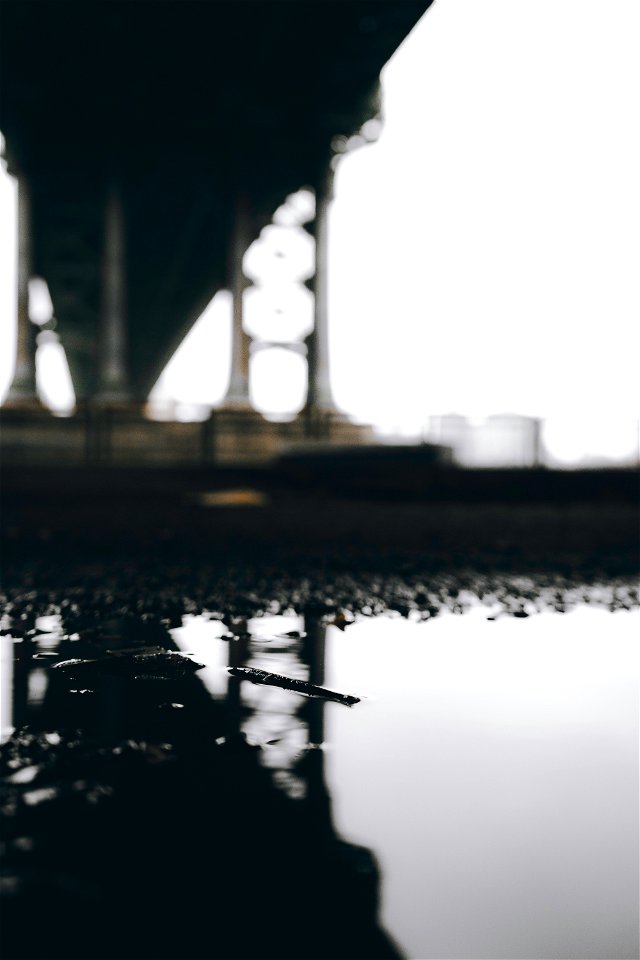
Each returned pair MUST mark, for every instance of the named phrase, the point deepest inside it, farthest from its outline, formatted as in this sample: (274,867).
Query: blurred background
(482,254)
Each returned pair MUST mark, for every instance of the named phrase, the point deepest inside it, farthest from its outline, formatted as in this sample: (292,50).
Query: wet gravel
(130,570)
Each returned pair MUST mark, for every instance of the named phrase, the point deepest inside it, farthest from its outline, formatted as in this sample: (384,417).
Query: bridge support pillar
(237,397)
(23,386)
(319,396)
(113,373)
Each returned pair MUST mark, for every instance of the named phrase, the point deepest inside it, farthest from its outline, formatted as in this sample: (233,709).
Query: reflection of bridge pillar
(113,373)
(312,765)
(238,654)
(23,385)
(314,653)
(238,391)
(319,396)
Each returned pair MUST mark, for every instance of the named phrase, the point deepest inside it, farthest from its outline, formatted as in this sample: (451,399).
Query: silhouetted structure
(152,142)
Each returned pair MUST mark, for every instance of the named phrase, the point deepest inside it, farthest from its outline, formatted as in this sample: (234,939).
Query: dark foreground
(140,823)
(138,820)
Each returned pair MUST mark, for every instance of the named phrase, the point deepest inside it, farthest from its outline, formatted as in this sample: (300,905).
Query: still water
(490,768)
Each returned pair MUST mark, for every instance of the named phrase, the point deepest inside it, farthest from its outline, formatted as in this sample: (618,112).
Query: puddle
(494,771)
(486,784)
(492,767)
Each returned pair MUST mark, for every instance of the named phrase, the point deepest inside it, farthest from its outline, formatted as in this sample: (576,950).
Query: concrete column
(238,391)
(319,396)
(113,373)
(23,385)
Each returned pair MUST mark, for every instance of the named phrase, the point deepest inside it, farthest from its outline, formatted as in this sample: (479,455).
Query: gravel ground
(160,558)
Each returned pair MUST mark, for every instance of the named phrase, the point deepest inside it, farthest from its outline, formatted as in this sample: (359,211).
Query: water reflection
(6,687)
(490,770)
(494,770)
(492,766)
(142,791)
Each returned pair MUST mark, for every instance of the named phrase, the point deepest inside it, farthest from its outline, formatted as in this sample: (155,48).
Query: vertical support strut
(113,373)
(23,385)
(238,391)
(319,396)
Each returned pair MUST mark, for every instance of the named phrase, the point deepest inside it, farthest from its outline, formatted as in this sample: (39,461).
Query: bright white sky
(484,252)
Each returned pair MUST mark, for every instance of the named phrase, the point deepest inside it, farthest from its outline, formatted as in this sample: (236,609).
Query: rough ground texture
(165,557)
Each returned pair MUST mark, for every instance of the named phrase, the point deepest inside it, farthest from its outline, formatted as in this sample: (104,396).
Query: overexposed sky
(494,230)
(484,252)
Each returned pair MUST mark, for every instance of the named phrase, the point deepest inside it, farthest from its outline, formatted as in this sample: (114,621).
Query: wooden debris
(287,683)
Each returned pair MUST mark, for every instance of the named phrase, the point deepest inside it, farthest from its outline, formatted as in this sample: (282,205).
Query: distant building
(502,440)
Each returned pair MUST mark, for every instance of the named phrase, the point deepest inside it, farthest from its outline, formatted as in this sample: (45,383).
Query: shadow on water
(150,814)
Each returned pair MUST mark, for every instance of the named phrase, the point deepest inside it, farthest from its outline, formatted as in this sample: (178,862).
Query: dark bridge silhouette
(152,142)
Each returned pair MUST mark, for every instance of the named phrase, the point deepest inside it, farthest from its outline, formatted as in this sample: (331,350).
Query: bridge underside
(180,110)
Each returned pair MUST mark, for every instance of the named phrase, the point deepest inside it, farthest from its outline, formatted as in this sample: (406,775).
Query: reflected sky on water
(491,766)
(494,771)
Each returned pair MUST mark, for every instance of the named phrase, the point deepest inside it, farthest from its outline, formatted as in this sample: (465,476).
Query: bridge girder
(186,103)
